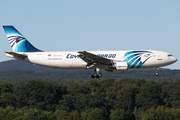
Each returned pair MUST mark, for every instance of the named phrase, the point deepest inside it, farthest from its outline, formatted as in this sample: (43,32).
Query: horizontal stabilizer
(22,56)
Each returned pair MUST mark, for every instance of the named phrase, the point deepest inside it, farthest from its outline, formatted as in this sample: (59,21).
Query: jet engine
(121,66)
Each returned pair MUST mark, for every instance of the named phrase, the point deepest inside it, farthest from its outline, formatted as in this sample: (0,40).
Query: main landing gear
(156,73)
(96,73)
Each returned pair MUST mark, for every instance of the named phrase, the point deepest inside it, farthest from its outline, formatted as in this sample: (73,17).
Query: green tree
(21,94)
(9,113)
(126,99)
(6,87)
(7,99)
(167,91)
(110,98)
(150,114)
(176,114)
(74,115)
(176,95)
(118,114)
(6,95)
(149,96)
(160,111)
(96,114)
(66,103)
(39,94)
(61,114)
(84,115)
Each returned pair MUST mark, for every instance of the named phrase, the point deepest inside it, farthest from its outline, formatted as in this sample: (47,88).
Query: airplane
(111,61)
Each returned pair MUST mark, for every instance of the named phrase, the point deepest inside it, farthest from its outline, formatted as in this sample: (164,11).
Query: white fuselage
(70,60)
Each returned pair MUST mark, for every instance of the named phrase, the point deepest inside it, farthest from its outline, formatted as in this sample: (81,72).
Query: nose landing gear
(156,73)
(96,73)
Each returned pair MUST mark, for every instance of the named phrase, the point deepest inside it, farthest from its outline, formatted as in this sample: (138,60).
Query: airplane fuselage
(71,60)
(112,61)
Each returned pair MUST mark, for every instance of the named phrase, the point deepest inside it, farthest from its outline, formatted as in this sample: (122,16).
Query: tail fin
(18,42)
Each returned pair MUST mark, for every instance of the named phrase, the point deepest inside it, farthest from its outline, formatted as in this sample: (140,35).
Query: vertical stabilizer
(17,41)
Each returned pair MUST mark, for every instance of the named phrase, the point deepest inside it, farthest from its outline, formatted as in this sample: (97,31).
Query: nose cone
(174,60)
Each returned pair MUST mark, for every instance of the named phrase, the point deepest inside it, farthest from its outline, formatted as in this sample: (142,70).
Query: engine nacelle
(122,66)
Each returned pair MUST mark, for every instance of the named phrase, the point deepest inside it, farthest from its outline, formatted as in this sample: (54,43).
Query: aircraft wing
(22,56)
(92,58)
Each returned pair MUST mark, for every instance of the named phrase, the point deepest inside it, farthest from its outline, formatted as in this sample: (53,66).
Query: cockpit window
(169,55)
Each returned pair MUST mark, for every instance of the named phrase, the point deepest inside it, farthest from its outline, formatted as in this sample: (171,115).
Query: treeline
(82,76)
(106,99)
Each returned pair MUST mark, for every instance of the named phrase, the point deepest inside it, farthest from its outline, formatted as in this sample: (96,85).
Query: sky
(70,25)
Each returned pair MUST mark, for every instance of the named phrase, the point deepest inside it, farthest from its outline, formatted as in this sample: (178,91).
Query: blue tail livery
(17,41)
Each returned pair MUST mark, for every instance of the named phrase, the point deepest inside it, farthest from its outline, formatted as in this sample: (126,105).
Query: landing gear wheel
(98,75)
(94,75)
(156,73)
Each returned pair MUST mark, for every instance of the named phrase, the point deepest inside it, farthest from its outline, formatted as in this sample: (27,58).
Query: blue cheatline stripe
(135,63)
(139,65)
(130,57)
(131,61)
(139,52)
(128,53)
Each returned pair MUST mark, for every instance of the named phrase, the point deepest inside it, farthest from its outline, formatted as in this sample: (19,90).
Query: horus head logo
(136,59)
(14,40)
